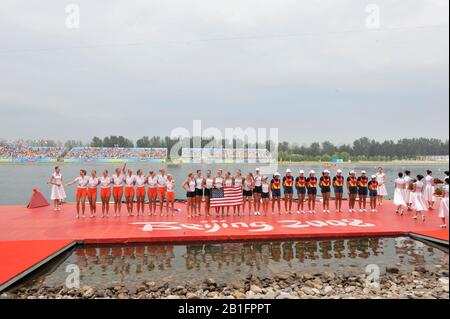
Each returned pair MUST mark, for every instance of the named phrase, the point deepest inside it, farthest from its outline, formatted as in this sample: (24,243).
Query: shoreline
(393,284)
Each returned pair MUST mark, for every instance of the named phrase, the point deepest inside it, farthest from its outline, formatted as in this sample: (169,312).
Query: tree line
(361,149)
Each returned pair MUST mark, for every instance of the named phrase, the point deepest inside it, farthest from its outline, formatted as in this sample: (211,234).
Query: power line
(231,38)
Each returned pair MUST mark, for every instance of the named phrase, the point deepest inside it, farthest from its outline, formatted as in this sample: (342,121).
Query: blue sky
(309,68)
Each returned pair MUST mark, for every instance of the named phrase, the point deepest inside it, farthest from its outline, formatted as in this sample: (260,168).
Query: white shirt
(209,183)
(238,182)
(152,182)
(265,188)
(400,183)
(199,182)
(429,180)
(129,180)
(57,179)
(192,185)
(380,178)
(162,181)
(82,181)
(93,182)
(170,186)
(258,180)
(140,180)
(229,182)
(105,182)
(118,180)
(419,186)
(219,182)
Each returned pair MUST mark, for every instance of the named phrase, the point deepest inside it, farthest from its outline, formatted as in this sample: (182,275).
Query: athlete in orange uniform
(363,180)
(275,186)
(92,192)
(105,193)
(338,185)
(82,182)
(300,185)
(373,192)
(140,180)
(162,189)
(130,181)
(117,180)
(288,185)
(325,187)
(311,185)
(152,182)
(352,186)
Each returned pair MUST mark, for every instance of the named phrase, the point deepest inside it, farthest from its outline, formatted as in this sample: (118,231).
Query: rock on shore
(420,284)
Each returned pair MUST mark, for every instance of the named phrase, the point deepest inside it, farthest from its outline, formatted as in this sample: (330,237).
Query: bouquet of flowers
(438,181)
(439,192)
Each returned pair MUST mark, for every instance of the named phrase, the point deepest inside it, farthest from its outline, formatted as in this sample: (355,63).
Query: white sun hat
(288,171)
(277,174)
(363,172)
(302,171)
(312,172)
(326,171)
(374,176)
(339,171)
(352,172)
(257,169)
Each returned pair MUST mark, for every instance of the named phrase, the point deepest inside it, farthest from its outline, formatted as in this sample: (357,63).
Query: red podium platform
(21,226)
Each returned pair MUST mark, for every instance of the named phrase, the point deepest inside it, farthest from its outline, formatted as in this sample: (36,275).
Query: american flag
(227,196)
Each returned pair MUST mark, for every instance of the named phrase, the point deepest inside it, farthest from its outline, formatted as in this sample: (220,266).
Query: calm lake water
(17,181)
(109,266)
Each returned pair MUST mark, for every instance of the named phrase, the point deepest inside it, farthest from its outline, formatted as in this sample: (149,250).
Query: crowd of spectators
(98,153)
(226,154)
(15,151)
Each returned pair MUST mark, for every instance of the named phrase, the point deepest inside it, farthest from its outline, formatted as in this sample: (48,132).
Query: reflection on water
(103,267)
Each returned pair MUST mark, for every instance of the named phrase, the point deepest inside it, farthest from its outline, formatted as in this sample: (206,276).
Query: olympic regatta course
(29,238)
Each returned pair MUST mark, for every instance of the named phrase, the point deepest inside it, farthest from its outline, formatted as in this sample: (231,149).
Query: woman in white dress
(408,180)
(429,190)
(382,190)
(58,194)
(443,207)
(418,203)
(399,199)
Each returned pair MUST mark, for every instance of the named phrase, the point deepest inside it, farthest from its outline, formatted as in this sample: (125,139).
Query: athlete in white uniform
(189,186)
(209,185)
(238,182)
(257,191)
(199,192)
(218,184)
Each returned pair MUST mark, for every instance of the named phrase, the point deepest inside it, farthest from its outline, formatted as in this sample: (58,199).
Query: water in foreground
(404,268)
